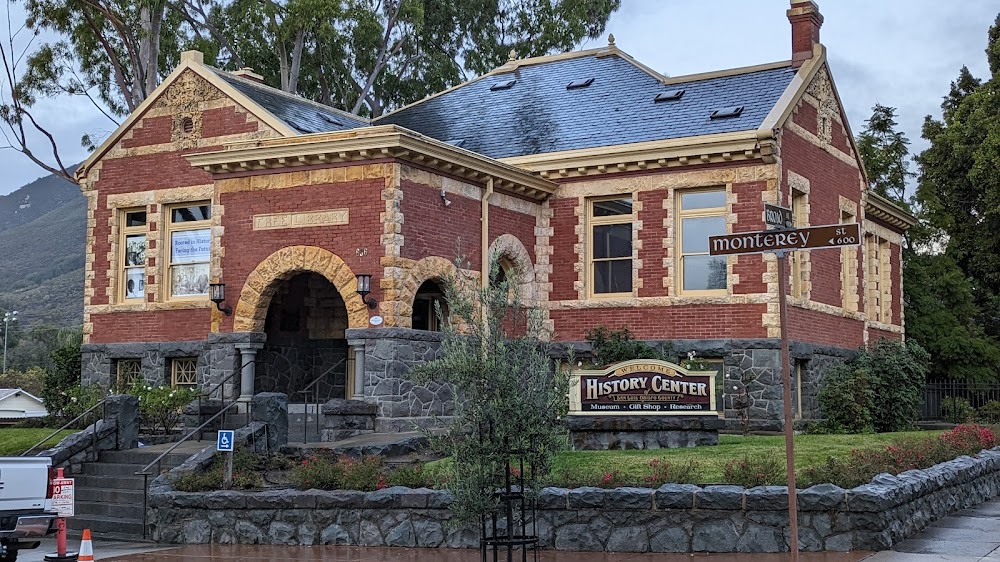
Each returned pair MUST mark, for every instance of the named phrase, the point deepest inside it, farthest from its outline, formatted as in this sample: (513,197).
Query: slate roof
(300,114)
(538,114)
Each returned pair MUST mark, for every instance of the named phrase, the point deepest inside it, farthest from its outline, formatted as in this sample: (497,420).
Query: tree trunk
(293,72)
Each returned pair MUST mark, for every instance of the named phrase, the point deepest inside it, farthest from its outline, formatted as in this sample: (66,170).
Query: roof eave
(887,211)
(645,156)
(368,143)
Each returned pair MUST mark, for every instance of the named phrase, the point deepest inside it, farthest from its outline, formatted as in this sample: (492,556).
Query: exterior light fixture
(444,199)
(217,294)
(365,287)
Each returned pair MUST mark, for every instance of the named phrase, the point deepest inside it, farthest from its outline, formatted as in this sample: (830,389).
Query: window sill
(147,306)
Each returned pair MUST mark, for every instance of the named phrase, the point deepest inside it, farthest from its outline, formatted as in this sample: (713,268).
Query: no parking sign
(63,495)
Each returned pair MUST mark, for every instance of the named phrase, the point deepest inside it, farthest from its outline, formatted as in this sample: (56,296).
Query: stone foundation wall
(389,355)
(755,364)
(672,518)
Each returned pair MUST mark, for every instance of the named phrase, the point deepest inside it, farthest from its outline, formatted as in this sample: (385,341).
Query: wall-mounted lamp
(444,199)
(217,294)
(365,287)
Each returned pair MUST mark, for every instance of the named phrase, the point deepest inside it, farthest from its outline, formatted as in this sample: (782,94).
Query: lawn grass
(15,440)
(810,450)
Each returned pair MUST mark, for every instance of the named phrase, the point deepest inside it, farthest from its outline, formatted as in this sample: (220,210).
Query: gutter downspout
(485,236)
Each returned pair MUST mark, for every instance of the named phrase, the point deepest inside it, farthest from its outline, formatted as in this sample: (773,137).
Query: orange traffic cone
(86,548)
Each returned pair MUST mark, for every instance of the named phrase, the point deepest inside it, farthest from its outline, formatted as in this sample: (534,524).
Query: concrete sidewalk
(967,536)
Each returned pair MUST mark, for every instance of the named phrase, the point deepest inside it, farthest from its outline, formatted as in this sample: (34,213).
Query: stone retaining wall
(672,518)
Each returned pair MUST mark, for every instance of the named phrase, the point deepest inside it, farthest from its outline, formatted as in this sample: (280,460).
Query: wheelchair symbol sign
(225,442)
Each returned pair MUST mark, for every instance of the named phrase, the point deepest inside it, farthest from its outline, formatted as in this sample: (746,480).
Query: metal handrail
(217,387)
(66,425)
(305,408)
(145,470)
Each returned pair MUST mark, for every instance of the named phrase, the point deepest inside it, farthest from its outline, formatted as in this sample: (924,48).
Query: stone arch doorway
(306,348)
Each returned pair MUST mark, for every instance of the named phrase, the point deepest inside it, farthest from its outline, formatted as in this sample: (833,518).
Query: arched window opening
(428,298)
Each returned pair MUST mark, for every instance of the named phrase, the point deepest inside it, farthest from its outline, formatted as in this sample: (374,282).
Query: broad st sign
(780,217)
(642,387)
(812,238)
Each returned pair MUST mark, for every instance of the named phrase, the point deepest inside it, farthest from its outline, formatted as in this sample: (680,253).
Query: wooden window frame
(593,221)
(680,215)
(169,264)
(127,368)
(176,366)
(125,232)
(848,256)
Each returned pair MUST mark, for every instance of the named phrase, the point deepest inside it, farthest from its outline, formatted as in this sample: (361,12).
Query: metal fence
(945,396)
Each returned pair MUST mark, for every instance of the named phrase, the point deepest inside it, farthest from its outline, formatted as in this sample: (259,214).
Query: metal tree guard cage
(514,525)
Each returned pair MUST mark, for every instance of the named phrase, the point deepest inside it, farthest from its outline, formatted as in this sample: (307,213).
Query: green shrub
(863,464)
(30,380)
(957,410)
(409,475)
(247,468)
(161,406)
(989,412)
(77,400)
(64,374)
(750,471)
(325,472)
(366,473)
(879,390)
(613,346)
(662,471)
(846,398)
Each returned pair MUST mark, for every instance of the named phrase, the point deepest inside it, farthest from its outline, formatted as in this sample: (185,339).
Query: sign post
(63,497)
(224,444)
(780,241)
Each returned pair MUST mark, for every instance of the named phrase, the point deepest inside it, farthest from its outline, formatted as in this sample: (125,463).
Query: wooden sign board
(642,387)
(811,238)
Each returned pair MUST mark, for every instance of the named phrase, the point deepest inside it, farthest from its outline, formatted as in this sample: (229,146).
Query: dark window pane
(703,200)
(612,241)
(704,273)
(137,218)
(695,232)
(613,207)
(190,214)
(613,276)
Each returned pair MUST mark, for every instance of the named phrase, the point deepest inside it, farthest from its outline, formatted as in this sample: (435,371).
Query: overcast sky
(901,53)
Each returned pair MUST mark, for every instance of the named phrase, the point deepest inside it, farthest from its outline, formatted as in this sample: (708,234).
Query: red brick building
(595,178)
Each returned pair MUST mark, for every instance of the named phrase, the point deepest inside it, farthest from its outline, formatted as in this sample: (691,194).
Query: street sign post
(780,217)
(225,443)
(781,242)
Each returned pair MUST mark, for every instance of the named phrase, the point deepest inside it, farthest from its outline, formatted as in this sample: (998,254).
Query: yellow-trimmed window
(132,254)
(189,241)
(609,251)
(184,371)
(700,214)
(800,217)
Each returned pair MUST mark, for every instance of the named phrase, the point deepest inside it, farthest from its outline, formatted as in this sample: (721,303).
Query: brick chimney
(806,20)
(249,74)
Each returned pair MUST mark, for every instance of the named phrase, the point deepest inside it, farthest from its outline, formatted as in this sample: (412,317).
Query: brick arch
(263,281)
(509,247)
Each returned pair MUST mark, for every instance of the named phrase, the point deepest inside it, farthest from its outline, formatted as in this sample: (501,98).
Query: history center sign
(642,387)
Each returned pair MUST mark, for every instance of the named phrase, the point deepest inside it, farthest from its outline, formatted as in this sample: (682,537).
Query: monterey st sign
(829,236)
(642,387)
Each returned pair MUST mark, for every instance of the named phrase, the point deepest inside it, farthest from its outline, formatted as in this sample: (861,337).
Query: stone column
(359,368)
(248,355)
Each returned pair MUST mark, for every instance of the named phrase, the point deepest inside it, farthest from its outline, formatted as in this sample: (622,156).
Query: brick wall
(161,325)
(225,121)
(829,178)
(812,326)
(246,248)
(652,234)
(896,266)
(506,221)
(749,210)
(149,131)
(680,321)
(874,335)
(563,240)
(431,229)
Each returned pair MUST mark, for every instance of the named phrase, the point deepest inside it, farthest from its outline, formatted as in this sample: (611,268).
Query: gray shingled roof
(299,113)
(538,114)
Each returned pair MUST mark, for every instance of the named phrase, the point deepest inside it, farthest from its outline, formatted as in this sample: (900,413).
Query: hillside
(42,246)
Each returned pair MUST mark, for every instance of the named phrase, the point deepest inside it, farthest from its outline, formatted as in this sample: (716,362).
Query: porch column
(248,355)
(359,368)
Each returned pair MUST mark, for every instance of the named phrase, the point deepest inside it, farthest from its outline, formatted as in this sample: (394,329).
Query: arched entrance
(306,348)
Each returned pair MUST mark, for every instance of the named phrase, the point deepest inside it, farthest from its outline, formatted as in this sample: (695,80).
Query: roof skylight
(726,112)
(669,95)
(503,85)
(581,83)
